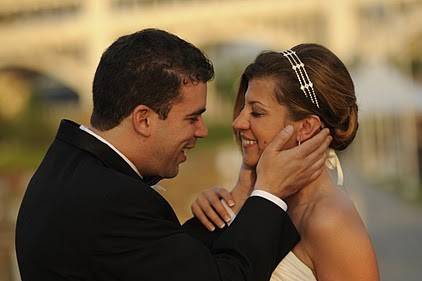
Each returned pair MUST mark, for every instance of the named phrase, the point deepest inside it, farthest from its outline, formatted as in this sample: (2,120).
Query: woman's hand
(209,209)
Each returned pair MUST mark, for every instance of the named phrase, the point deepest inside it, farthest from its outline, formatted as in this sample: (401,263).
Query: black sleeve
(197,230)
(135,245)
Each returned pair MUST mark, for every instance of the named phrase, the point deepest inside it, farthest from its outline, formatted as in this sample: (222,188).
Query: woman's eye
(256,114)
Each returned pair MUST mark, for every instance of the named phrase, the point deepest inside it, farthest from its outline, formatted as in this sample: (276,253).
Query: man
(89,212)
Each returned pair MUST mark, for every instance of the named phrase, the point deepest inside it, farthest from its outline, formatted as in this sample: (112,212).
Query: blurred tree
(28,117)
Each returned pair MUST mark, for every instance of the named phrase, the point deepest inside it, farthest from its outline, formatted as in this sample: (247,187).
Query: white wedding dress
(291,268)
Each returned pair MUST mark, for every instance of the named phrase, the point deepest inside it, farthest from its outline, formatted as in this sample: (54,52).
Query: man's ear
(308,127)
(142,118)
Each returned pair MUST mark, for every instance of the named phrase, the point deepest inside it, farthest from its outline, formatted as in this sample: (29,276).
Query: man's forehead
(192,98)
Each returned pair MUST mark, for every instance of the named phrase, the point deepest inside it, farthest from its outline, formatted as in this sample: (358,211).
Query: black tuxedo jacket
(86,215)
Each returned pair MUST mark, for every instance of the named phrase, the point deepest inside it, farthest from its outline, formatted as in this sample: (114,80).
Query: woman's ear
(307,128)
(142,118)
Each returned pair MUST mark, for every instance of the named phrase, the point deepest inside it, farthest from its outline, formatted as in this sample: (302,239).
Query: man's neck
(119,140)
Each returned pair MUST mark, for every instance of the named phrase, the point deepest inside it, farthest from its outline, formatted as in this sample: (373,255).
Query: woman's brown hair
(332,84)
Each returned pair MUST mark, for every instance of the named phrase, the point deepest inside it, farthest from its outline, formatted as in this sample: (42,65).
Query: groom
(89,212)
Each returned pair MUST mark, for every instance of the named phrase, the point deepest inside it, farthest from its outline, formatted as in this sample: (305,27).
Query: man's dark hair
(147,67)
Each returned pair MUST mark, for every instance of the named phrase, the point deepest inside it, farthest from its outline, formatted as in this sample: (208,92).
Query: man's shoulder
(78,174)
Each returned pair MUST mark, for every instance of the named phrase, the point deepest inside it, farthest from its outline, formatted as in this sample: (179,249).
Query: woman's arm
(208,207)
(244,187)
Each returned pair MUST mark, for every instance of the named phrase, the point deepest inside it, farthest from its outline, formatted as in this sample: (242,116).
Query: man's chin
(171,173)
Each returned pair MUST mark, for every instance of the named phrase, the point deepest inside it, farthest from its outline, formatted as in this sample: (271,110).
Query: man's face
(179,131)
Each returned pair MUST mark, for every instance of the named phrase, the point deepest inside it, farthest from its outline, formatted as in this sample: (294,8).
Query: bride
(309,88)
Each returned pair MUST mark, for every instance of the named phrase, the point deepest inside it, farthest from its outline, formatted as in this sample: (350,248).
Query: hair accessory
(299,68)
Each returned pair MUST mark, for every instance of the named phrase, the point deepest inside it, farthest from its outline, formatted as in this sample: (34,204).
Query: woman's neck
(311,192)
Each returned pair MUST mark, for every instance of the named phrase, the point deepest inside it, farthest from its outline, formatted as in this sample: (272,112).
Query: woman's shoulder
(332,212)
(335,234)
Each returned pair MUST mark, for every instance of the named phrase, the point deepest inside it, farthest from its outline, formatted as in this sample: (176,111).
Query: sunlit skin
(326,219)
(178,133)
(260,120)
(158,146)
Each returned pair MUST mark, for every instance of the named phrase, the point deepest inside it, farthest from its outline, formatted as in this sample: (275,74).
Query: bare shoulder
(337,240)
(332,211)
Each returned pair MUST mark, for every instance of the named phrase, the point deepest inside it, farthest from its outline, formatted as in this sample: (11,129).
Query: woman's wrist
(243,187)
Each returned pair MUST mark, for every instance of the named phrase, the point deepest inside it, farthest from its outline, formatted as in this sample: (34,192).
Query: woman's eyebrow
(253,102)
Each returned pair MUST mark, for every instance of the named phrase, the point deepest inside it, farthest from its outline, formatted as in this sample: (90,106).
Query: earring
(298,142)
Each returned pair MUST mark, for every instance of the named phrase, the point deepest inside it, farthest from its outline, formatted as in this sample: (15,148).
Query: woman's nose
(241,122)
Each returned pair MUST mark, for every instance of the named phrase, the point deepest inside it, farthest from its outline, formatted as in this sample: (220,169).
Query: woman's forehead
(261,90)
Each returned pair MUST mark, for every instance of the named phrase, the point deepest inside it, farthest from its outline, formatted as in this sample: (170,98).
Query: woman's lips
(248,142)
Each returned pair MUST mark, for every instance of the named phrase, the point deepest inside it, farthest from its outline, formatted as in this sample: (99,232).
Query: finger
(317,166)
(281,138)
(312,169)
(200,215)
(316,174)
(313,143)
(204,204)
(320,152)
(227,196)
(217,207)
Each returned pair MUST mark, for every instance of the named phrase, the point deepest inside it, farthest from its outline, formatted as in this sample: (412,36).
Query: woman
(309,88)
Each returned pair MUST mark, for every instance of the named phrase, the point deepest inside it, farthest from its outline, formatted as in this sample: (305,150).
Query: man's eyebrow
(198,112)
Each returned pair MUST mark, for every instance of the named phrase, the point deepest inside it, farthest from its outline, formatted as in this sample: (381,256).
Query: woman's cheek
(262,144)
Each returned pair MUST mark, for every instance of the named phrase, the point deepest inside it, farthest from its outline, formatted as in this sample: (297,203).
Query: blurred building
(55,45)
(63,40)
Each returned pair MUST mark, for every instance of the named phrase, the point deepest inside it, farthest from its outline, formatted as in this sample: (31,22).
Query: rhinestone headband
(299,68)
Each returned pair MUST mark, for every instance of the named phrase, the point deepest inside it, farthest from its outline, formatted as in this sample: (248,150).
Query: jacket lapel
(70,133)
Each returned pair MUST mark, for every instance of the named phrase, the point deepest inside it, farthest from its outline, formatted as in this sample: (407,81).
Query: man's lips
(186,148)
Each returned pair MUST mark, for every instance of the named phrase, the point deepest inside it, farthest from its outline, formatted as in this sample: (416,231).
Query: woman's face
(260,120)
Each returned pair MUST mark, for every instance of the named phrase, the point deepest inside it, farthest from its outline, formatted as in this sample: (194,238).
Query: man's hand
(284,172)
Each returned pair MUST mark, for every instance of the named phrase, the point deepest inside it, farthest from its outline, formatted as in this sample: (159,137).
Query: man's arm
(280,174)
(135,244)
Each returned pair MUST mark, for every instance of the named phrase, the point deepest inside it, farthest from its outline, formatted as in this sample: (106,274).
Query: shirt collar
(83,128)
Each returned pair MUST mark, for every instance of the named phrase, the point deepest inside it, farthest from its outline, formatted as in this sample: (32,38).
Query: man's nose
(201,130)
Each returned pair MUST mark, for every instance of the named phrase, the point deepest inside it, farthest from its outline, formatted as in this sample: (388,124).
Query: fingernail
(222,225)
(227,219)
(231,203)
(289,129)
(212,228)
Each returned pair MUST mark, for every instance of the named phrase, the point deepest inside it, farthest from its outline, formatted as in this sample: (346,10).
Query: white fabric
(276,200)
(334,163)
(83,128)
(260,193)
(291,268)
